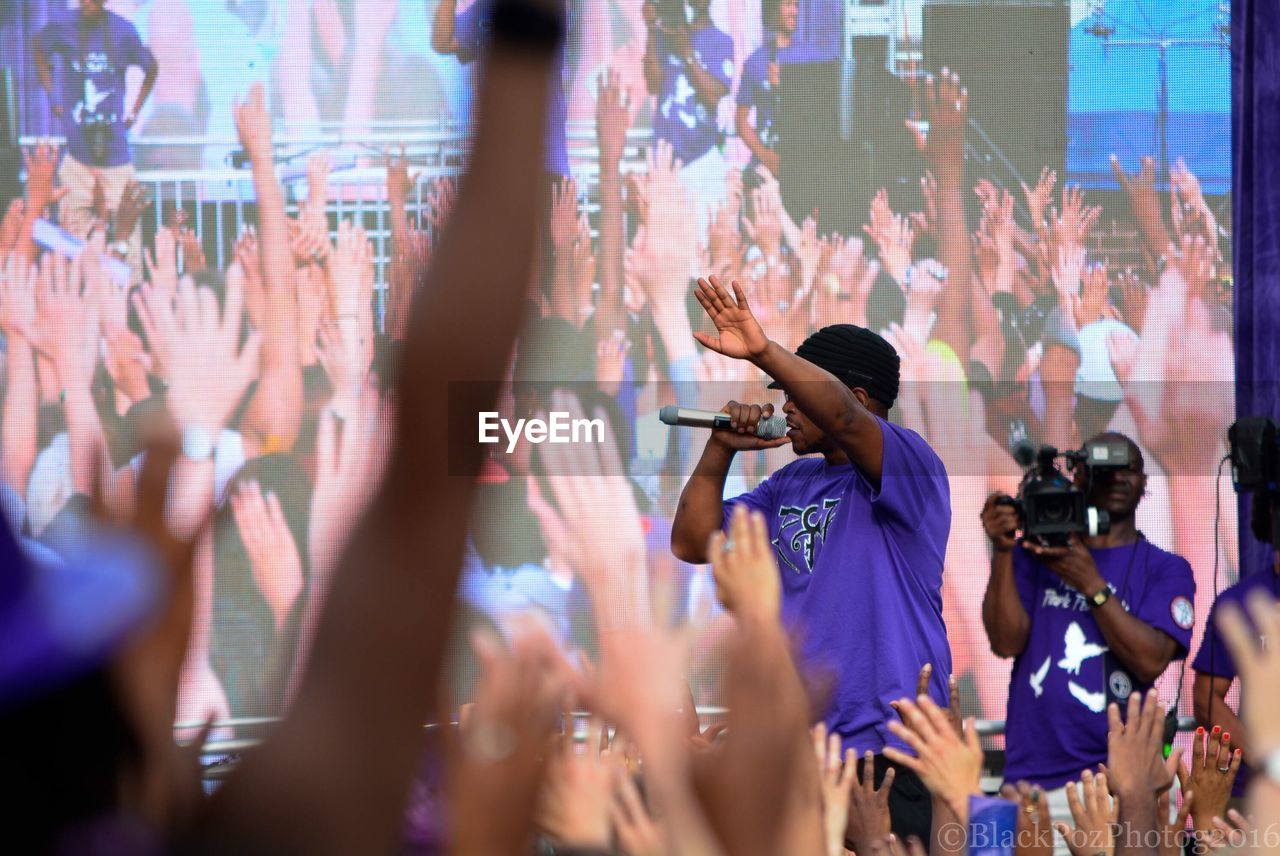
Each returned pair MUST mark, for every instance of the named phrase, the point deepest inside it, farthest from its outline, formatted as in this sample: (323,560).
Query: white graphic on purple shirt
(1037,677)
(1078,649)
(1096,702)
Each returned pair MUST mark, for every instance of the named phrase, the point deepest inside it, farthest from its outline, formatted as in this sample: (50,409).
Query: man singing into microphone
(860,530)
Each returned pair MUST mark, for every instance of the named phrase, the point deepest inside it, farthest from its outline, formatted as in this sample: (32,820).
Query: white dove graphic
(92,97)
(1096,702)
(1077,649)
(1037,677)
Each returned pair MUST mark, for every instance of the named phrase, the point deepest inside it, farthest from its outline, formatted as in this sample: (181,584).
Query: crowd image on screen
(242,491)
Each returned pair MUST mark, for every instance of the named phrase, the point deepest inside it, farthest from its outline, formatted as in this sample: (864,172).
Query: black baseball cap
(857,356)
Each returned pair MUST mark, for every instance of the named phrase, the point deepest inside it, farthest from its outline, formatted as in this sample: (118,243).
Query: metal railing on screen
(225,752)
(219,199)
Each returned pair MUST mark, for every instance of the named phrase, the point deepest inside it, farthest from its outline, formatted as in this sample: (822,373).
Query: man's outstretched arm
(376,662)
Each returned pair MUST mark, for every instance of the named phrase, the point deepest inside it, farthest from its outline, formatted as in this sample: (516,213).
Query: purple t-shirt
(756,90)
(1063,680)
(862,577)
(95,59)
(471,33)
(1214,657)
(683,119)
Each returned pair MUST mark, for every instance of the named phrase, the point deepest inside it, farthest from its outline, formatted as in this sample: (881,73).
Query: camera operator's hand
(1000,522)
(1073,563)
(741,435)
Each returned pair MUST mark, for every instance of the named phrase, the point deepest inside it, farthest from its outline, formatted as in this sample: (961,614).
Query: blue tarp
(1112,105)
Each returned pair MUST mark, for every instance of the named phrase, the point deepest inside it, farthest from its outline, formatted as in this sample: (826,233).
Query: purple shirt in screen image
(862,578)
(95,61)
(1214,657)
(471,33)
(683,119)
(1056,725)
(757,90)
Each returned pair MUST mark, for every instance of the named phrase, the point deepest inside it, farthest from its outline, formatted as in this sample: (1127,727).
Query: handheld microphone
(766,429)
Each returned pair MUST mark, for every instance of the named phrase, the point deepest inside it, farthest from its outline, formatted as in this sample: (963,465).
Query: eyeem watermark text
(558,427)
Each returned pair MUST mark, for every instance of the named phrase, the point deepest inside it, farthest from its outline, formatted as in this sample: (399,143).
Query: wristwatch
(1103,596)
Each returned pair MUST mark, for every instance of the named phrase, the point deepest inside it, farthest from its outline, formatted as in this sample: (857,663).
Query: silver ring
(728,544)
(1226,769)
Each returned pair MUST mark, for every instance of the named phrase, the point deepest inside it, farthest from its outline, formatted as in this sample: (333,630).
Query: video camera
(1051,508)
(1255,464)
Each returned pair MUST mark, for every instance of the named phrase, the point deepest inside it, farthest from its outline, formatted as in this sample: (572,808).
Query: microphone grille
(669,415)
(772,428)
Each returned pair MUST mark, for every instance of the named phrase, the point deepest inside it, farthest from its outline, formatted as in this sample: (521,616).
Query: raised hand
(1212,773)
(249,259)
(11,224)
(576,800)
(1145,202)
(273,553)
(1094,814)
(350,273)
(133,202)
(948,764)
(253,123)
(1095,295)
(193,259)
(564,214)
(613,117)
(868,805)
(926,222)
(1235,832)
(441,194)
(308,243)
(1067,272)
(162,265)
(892,234)
(41,165)
(638,834)
(611,362)
(1135,764)
(18,289)
(738,333)
(748,582)
(69,320)
(207,370)
(398,182)
(495,778)
(947,103)
(1038,197)
(1034,829)
(598,515)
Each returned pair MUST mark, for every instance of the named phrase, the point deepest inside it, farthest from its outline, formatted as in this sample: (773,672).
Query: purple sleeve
(749,85)
(913,482)
(468,31)
(1214,657)
(136,53)
(1168,603)
(759,499)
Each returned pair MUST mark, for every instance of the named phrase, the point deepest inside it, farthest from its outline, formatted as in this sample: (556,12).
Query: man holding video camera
(1089,619)
(97,49)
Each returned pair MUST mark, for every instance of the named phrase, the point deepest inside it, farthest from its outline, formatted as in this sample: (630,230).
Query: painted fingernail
(1226,737)
(1200,730)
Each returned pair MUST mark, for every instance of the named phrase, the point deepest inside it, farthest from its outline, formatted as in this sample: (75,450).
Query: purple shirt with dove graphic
(862,578)
(1064,678)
